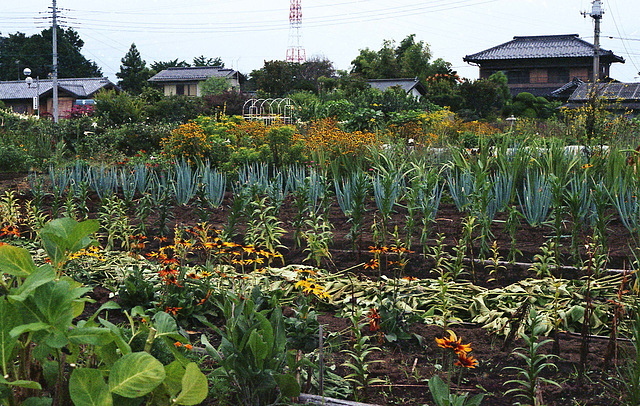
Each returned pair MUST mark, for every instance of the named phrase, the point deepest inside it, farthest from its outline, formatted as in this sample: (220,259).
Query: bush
(14,158)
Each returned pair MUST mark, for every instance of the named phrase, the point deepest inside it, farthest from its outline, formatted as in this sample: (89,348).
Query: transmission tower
(295,52)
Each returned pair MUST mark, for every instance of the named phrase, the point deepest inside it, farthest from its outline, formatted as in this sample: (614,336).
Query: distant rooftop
(78,87)
(193,73)
(405,84)
(541,46)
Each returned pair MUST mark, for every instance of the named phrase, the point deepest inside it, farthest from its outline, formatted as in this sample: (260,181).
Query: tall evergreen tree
(18,51)
(133,73)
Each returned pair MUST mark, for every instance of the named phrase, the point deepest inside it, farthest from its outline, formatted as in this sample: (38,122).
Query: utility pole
(596,14)
(55,63)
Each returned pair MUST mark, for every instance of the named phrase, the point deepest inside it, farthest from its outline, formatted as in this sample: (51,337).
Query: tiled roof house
(187,81)
(410,86)
(18,94)
(543,63)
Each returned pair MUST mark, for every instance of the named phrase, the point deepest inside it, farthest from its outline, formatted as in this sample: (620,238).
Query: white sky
(244,33)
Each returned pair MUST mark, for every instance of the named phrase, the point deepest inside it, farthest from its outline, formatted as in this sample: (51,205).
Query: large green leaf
(21,384)
(37,402)
(54,300)
(16,261)
(90,335)
(135,375)
(88,388)
(164,324)
(173,381)
(288,385)
(65,236)
(39,277)
(194,386)
(9,319)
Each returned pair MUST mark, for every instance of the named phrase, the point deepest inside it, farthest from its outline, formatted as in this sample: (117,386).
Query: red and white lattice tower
(295,52)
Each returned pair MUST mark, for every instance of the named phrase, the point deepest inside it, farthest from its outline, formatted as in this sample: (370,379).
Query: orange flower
(178,344)
(454,343)
(172,310)
(465,360)
(374,319)
(190,347)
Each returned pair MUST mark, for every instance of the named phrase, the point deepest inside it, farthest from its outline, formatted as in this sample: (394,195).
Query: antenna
(596,13)
(295,52)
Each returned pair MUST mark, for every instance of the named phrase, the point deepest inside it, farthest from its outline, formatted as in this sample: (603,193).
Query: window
(559,75)
(517,76)
(179,90)
(538,76)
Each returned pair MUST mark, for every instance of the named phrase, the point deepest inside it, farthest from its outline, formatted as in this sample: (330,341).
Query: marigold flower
(190,347)
(178,344)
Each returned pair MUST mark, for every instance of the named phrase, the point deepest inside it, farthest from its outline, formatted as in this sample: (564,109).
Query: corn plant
(536,198)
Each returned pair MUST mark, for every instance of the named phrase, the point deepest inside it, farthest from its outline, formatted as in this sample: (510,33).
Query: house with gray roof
(543,63)
(410,86)
(188,81)
(616,96)
(19,95)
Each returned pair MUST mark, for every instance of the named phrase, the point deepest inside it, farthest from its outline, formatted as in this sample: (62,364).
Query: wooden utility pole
(596,13)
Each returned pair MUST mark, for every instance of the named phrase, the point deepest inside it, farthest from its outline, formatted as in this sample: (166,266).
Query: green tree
(18,51)
(409,59)
(159,66)
(215,85)
(204,61)
(276,78)
(133,73)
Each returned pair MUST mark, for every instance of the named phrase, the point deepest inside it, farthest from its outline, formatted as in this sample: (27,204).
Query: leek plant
(536,198)
(184,182)
(104,181)
(351,194)
(387,187)
(578,201)
(213,184)
(461,187)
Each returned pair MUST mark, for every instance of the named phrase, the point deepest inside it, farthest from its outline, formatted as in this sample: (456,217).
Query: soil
(407,365)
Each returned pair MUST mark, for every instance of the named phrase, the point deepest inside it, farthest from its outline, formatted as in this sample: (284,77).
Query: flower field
(434,263)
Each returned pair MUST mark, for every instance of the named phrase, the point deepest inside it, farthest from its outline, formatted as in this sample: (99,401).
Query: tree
(18,51)
(159,66)
(133,73)
(276,78)
(409,59)
(215,85)
(204,61)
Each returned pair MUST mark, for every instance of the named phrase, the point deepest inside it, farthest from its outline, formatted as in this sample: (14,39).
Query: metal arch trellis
(269,111)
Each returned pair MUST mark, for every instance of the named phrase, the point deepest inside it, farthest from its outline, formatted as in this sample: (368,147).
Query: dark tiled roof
(405,84)
(79,87)
(194,73)
(541,46)
(616,91)
(567,89)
